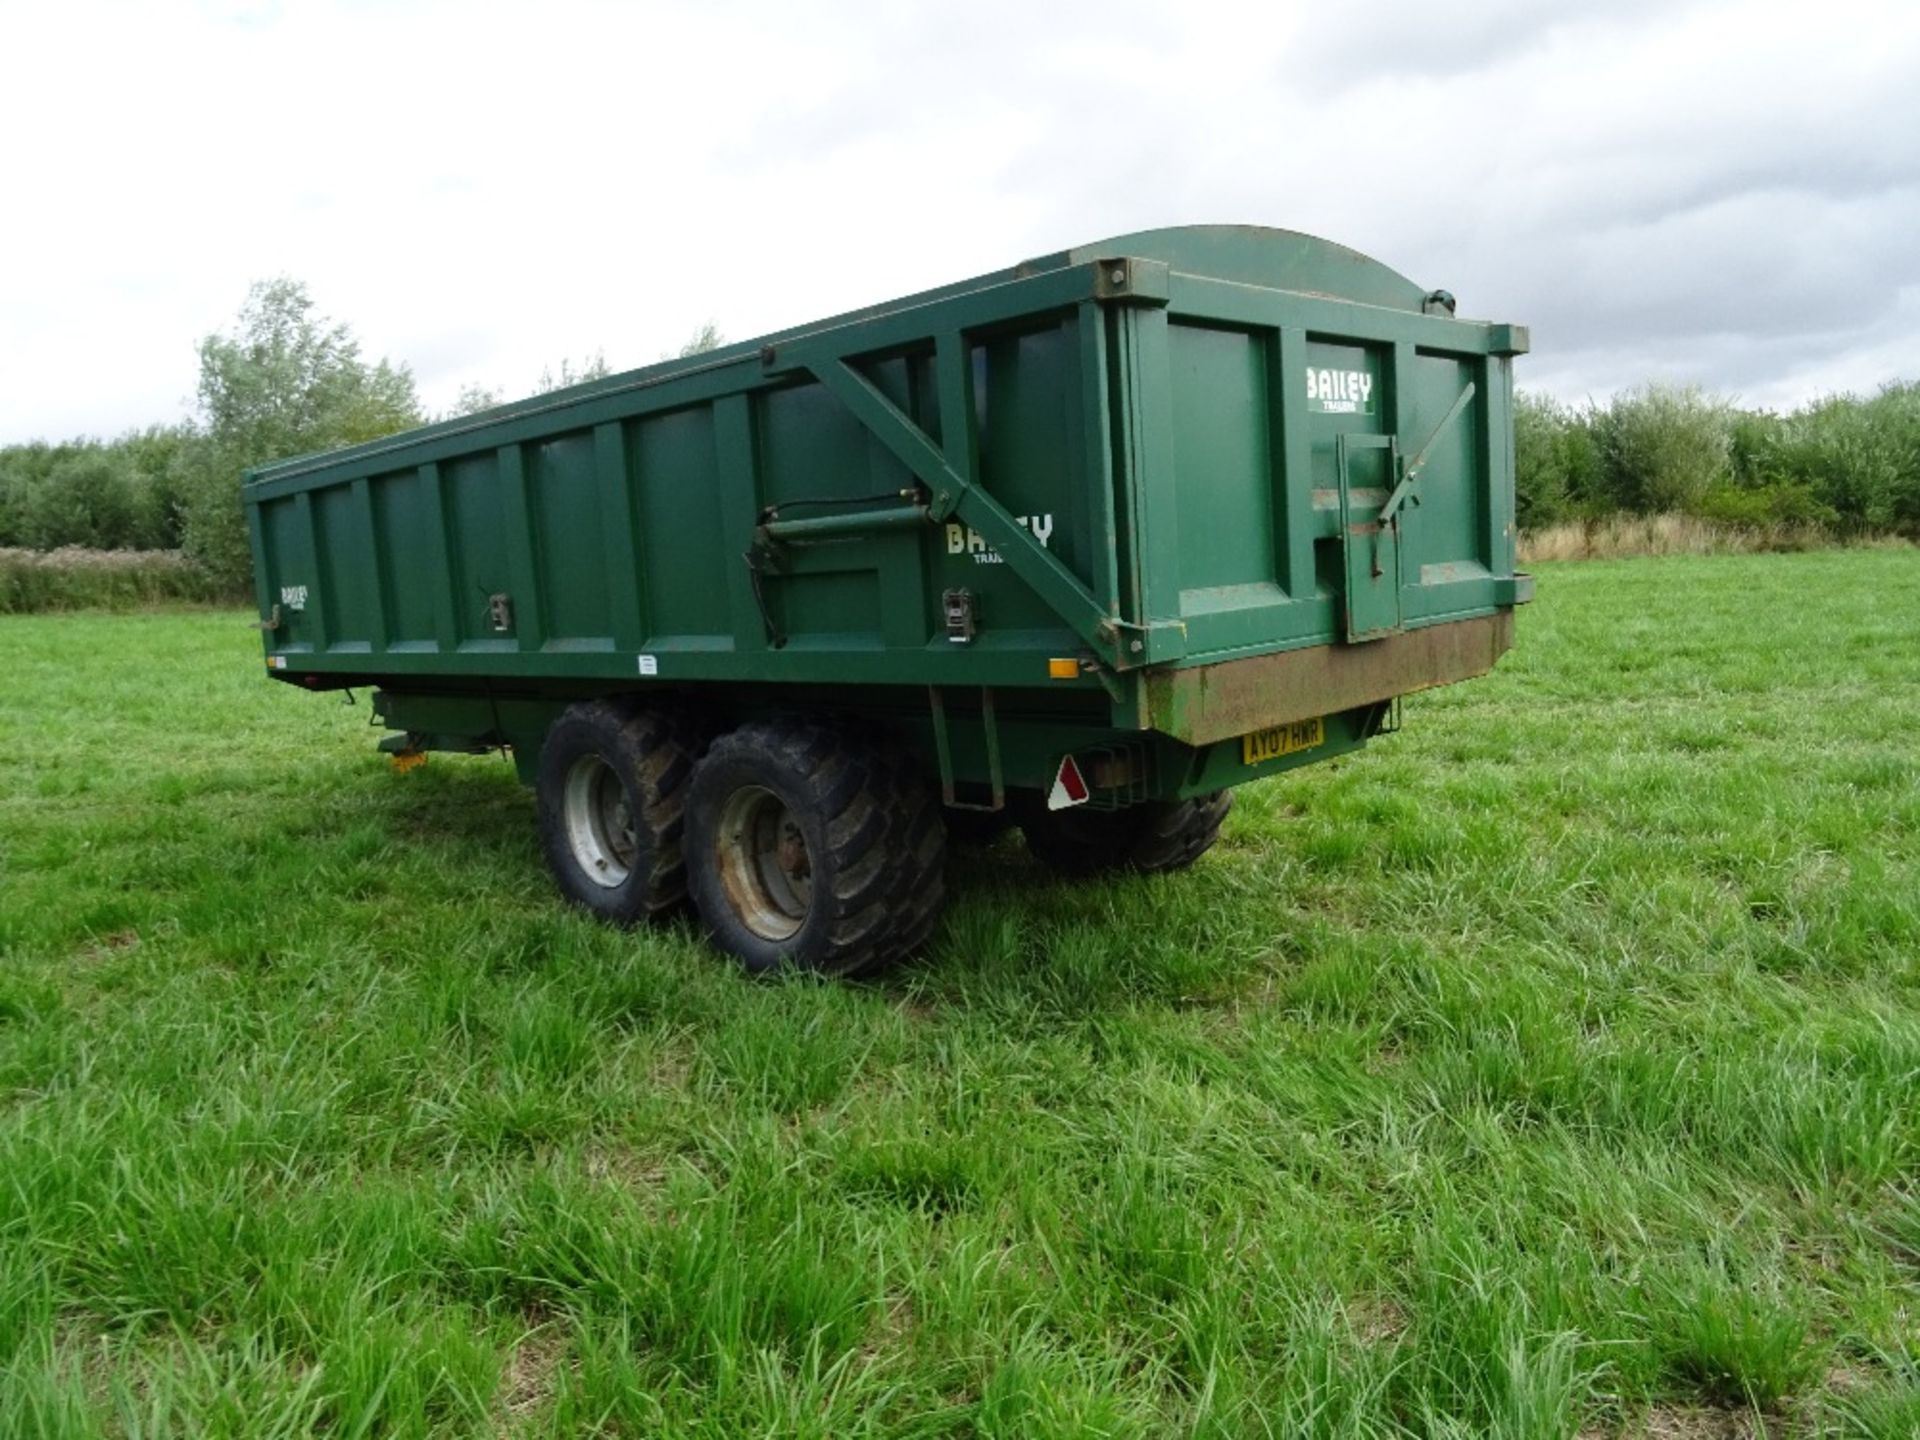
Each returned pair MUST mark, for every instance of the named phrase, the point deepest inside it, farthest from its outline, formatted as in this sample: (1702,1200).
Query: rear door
(1326,489)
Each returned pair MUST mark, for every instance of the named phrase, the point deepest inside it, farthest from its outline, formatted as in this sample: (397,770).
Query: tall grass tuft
(72,578)
(1623,536)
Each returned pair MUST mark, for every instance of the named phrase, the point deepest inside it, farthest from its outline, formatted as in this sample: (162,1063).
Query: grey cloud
(1736,268)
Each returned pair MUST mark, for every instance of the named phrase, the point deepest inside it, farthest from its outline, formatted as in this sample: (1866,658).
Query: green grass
(1550,1069)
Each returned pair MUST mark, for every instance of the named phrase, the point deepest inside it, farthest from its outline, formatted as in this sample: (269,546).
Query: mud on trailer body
(1079,545)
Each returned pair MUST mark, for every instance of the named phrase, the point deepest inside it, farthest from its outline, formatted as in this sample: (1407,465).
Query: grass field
(1550,1069)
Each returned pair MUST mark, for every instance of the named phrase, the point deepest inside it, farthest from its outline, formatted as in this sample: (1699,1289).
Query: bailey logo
(965,540)
(294,597)
(1340,392)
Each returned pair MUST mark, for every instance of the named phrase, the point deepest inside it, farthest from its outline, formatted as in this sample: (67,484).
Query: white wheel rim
(599,822)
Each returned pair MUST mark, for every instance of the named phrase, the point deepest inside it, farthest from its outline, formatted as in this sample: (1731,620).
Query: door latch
(957,605)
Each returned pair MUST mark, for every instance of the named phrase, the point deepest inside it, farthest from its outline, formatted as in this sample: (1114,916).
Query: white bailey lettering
(965,540)
(1340,392)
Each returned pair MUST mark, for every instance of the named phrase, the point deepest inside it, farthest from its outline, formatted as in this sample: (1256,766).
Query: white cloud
(1717,192)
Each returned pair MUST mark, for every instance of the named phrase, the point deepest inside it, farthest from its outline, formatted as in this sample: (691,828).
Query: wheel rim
(599,822)
(765,867)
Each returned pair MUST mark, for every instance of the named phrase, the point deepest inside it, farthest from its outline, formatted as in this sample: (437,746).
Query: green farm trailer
(1076,546)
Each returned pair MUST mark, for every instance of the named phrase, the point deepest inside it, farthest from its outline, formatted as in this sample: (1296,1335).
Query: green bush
(156,455)
(1896,411)
(1753,439)
(1835,449)
(23,468)
(1845,466)
(1859,460)
(1767,507)
(102,495)
(213,530)
(86,499)
(1663,447)
(1555,460)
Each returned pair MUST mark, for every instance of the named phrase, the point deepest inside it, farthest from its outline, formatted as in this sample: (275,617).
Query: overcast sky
(1721,193)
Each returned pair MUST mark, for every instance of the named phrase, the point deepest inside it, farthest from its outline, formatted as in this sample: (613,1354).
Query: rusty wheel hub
(764,863)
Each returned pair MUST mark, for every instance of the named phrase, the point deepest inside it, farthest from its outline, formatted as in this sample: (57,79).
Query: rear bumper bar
(1204,703)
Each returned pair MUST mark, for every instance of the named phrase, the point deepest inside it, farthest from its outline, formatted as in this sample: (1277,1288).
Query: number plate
(1264,745)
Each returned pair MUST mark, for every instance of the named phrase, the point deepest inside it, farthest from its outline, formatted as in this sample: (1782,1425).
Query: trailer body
(1169,512)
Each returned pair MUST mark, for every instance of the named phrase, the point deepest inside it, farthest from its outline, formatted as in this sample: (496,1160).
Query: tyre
(1158,835)
(611,796)
(810,848)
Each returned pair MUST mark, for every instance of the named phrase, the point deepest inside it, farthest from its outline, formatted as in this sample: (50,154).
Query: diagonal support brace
(956,494)
(1411,471)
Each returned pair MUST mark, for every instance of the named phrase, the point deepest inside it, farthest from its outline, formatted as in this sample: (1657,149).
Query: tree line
(286,380)
(1845,465)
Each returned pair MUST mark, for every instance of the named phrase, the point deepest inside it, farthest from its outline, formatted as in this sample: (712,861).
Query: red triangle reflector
(1069,786)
